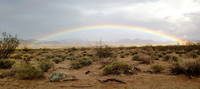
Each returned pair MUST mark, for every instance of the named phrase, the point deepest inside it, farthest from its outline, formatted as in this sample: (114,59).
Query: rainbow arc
(97,27)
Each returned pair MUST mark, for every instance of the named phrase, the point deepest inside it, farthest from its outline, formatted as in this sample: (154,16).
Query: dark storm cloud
(34,18)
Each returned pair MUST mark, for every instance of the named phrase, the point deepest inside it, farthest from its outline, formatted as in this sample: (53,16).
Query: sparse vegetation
(6,64)
(77,64)
(7,74)
(189,68)
(171,58)
(25,49)
(27,71)
(144,59)
(112,62)
(103,52)
(45,65)
(8,44)
(118,68)
(57,60)
(71,57)
(156,68)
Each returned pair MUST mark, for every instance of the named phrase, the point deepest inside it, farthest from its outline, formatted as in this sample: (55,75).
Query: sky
(31,19)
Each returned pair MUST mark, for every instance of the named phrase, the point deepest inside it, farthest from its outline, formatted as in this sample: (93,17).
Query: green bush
(189,68)
(57,60)
(71,57)
(122,56)
(7,74)
(27,71)
(72,49)
(45,65)
(77,64)
(117,68)
(8,44)
(156,68)
(171,58)
(192,55)
(16,56)
(104,52)
(136,57)
(145,59)
(6,64)
(25,49)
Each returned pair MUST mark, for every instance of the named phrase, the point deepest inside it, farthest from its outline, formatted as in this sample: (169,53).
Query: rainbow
(95,27)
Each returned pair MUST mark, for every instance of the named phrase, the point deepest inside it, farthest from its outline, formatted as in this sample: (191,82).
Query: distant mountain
(79,42)
(139,41)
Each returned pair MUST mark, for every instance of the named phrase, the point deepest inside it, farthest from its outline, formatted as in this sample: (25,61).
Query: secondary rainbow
(95,27)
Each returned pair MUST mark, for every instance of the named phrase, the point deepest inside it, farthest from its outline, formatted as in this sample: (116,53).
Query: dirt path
(140,81)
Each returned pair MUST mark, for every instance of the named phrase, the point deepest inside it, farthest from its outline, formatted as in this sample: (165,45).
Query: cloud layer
(33,18)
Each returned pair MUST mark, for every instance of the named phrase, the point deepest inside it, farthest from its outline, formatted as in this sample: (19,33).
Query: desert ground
(103,67)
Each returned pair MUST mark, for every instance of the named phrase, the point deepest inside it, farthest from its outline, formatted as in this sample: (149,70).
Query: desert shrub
(159,55)
(156,68)
(8,44)
(57,60)
(104,52)
(40,58)
(145,59)
(72,49)
(7,74)
(180,52)
(25,49)
(135,57)
(117,68)
(6,64)
(171,58)
(16,56)
(27,58)
(77,64)
(122,56)
(27,71)
(45,65)
(192,55)
(189,68)
(60,55)
(71,57)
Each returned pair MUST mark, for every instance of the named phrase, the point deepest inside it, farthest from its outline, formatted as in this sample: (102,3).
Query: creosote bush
(7,74)
(171,58)
(57,60)
(156,68)
(25,49)
(77,64)
(104,52)
(192,54)
(71,57)
(6,64)
(45,65)
(8,44)
(189,68)
(145,59)
(117,68)
(26,71)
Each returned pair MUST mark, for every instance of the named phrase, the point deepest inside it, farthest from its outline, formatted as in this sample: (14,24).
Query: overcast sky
(30,19)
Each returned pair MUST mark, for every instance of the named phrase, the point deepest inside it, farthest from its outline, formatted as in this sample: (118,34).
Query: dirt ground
(141,80)
(90,81)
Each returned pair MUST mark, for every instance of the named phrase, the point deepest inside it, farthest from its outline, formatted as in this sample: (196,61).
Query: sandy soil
(89,81)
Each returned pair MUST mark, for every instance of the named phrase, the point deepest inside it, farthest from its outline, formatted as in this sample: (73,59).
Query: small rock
(58,77)
(87,72)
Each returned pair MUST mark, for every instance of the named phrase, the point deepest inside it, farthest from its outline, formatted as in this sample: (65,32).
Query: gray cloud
(33,18)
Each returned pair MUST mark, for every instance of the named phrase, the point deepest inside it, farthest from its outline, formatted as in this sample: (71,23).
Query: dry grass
(114,62)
